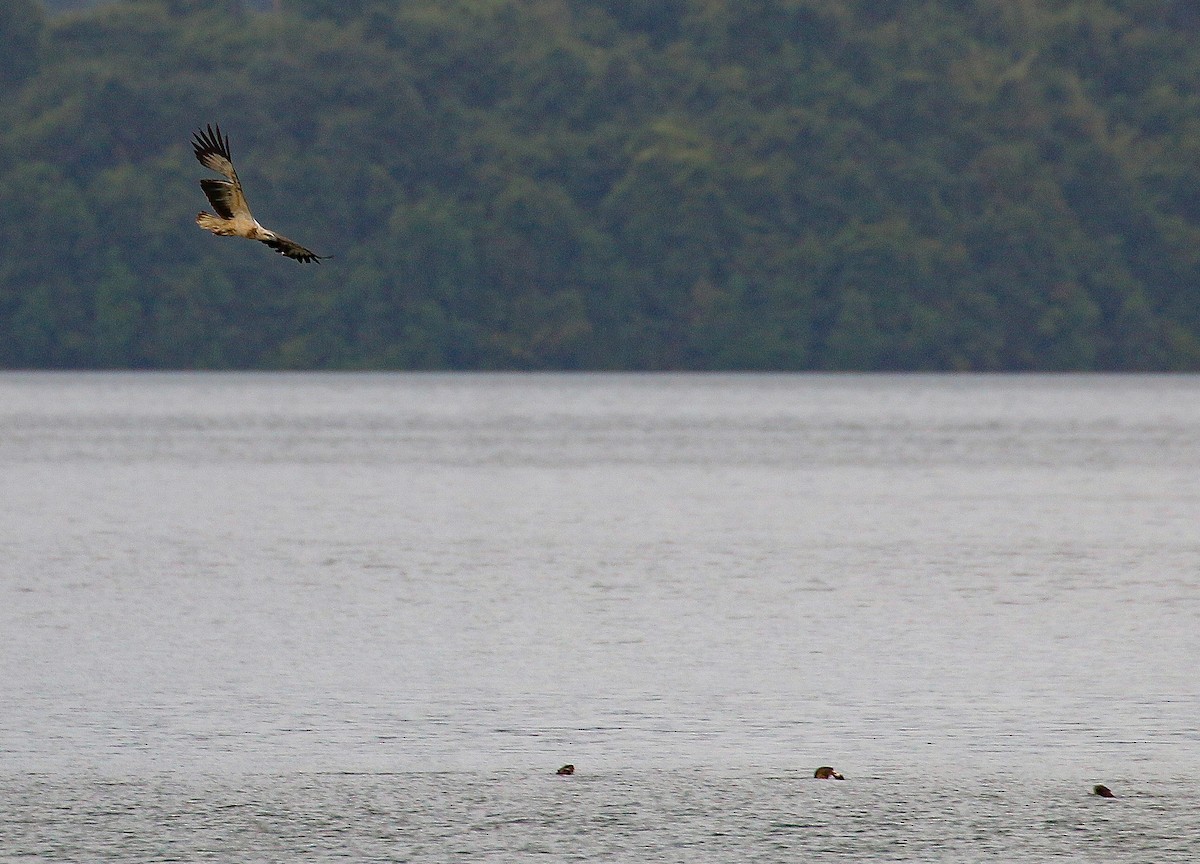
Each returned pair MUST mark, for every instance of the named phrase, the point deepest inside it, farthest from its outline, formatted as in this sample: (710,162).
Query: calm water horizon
(366,616)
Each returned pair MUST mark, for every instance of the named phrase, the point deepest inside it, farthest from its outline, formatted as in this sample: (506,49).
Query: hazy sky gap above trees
(606,184)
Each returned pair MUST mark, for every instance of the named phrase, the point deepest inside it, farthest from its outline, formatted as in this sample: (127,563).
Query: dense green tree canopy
(698,184)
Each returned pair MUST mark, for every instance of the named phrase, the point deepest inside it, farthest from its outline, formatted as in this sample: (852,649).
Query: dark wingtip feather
(208,141)
(293,250)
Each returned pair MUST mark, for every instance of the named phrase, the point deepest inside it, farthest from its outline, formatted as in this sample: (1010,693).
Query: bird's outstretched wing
(212,150)
(226,196)
(290,248)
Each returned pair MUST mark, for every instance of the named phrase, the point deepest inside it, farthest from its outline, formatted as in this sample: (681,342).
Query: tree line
(607,184)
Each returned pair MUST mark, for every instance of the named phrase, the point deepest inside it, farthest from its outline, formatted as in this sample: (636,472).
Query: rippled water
(269,617)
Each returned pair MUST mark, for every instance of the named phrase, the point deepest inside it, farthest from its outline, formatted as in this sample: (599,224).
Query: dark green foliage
(21,23)
(701,184)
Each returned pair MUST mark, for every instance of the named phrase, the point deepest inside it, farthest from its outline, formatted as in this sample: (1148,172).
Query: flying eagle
(233,217)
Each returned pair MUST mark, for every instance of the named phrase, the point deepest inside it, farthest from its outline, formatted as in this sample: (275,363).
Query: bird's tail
(212,223)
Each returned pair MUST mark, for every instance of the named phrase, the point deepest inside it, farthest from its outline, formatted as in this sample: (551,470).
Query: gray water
(366,617)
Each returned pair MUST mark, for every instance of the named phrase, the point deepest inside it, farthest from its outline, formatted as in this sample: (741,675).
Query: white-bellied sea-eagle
(233,217)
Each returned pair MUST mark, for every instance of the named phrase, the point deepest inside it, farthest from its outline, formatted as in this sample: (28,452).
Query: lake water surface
(366,617)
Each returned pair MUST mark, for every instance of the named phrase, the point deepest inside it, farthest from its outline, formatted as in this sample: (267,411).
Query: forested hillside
(637,184)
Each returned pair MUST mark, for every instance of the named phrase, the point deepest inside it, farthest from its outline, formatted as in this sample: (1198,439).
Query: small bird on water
(1103,791)
(566,769)
(827,773)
